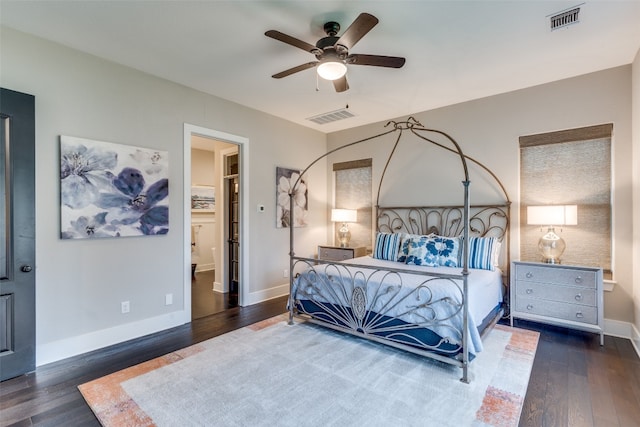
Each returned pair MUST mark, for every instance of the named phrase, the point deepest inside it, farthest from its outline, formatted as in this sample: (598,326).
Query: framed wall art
(285,180)
(112,190)
(203,198)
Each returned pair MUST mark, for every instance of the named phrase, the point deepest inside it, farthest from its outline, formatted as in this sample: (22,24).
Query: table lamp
(551,246)
(344,216)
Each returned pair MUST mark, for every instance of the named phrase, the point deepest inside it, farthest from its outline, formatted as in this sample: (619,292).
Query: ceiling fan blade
(376,60)
(341,84)
(293,70)
(293,41)
(361,26)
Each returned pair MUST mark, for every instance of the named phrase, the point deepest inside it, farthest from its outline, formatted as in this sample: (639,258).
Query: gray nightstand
(337,253)
(562,295)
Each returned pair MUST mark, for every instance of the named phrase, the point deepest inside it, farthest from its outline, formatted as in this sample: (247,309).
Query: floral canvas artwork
(285,180)
(112,190)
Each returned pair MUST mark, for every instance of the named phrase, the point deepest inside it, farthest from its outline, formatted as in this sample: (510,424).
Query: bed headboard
(484,221)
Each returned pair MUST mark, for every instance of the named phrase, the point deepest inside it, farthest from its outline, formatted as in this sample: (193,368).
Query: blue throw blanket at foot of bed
(389,328)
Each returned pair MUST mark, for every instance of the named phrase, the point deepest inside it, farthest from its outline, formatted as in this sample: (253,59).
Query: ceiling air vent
(331,116)
(564,19)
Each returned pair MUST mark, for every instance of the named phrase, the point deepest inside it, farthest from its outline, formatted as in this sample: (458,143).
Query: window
(353,191)
(571,167)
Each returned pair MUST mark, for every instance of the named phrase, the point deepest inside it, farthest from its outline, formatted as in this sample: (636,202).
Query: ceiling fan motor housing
(330,49)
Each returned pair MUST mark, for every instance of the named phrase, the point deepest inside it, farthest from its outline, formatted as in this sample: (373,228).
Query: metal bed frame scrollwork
(359,299)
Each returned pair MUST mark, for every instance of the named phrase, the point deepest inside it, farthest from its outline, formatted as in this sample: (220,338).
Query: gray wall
(636,195)
(488,130)
(80,284)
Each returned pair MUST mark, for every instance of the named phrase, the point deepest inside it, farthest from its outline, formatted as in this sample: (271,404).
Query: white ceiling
(455,50)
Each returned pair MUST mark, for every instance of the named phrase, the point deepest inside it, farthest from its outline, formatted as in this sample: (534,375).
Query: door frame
(243,158)
(224,223)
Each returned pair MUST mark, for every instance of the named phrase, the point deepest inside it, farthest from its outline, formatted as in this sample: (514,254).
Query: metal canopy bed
(433,284)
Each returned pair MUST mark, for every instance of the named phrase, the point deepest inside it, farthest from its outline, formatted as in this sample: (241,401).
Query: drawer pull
(578,279)
(578,297)
(579,315)
(529,275)
(529,291)
(530,307)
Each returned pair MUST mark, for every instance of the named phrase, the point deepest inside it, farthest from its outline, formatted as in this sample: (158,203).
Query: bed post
(291,255)
(465,284)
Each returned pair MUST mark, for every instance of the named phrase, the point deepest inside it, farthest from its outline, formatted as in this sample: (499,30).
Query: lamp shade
(344,215)
(332,70)
(552,215)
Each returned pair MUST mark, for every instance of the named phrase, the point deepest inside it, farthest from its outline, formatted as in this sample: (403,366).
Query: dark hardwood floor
(50,397)
(574,381)
(204,301)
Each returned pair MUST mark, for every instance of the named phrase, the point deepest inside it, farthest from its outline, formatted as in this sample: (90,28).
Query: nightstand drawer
(335,253)
(556,275)
(558,310)
(569,294)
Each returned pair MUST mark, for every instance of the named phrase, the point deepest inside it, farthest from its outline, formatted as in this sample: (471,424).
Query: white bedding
(485,286)
(485,292)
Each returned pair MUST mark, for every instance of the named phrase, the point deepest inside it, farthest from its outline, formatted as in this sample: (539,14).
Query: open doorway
(213,221)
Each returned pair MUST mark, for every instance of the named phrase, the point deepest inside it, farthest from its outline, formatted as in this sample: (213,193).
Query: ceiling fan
(332,52)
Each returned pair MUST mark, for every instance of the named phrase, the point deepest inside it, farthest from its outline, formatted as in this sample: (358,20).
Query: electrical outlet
(124,307)
(285,273)
(168,299)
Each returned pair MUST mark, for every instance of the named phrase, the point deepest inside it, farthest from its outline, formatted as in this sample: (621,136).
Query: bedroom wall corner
(635,114)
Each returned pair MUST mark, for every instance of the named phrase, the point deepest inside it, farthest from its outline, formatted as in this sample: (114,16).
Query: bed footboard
(417,312)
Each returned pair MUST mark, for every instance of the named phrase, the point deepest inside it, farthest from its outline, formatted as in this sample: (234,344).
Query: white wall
(488,130)
(80,284)
(636,197)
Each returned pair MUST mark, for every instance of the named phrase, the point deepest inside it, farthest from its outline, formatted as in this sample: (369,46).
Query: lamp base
(551,246)
(344,235)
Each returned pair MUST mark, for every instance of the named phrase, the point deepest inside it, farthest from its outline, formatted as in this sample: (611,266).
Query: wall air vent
(331,116)
(565,18)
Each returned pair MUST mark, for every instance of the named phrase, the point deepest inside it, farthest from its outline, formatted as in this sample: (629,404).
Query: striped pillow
(386,246)
(482,252)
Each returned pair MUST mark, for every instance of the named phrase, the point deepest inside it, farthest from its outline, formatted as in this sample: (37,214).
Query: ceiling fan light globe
(332,70)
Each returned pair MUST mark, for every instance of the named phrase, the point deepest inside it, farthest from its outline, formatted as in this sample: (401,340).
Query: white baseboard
(617,328)
(205,267)
(267,294)
(62,349)
(218,287)
(635,338)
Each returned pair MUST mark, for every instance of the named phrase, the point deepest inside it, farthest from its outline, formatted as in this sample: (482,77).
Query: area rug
(273,374)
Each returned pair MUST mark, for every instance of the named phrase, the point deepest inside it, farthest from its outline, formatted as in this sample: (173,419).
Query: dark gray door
(17,234)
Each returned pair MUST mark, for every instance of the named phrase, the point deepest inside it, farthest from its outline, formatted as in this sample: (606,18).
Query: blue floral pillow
(417,252)
(405,240)
(403,250)
(447,250)
(434,251)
